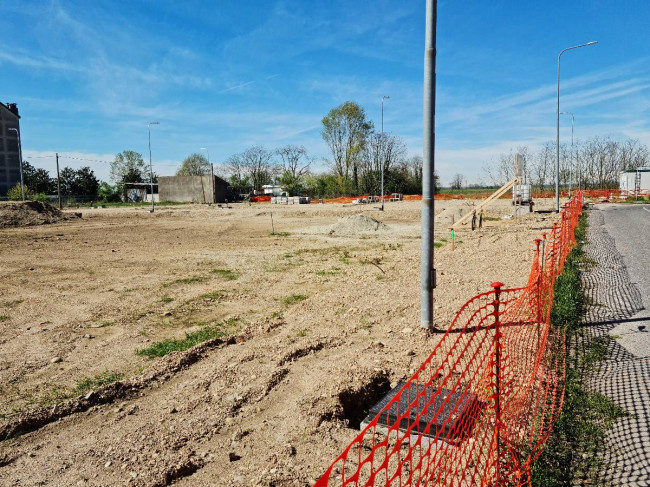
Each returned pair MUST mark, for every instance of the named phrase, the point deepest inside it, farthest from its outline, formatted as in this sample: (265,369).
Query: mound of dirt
(357,224)
(19,214)
(451,215)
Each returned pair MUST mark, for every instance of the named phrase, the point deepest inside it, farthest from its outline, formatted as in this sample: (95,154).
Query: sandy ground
(324,315)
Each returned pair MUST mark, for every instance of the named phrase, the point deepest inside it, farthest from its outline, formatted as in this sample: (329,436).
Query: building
(193,189)
(635,181)
(9,147)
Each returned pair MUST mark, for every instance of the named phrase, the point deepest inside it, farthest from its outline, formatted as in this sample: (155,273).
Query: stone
(108,464)
(406,331)
(56,360)
(88,336)
(89,395)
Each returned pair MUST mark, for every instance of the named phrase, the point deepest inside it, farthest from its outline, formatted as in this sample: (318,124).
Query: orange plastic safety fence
(479,409)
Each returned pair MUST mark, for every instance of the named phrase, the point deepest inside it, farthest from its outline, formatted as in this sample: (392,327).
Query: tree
(67,177)
(295,165)
(457,181)
(129,167)
(38,179)
(258,165)
(381,148)
(85,182)
(345,130)
(108,193)
(194,165)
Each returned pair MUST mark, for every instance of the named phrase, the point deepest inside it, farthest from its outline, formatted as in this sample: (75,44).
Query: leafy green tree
(129,167)
(67,177)
(85,182)
(38,179)
(108,193)
(194,165)
(346,130)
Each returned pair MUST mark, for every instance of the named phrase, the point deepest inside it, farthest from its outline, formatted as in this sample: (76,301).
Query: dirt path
(327,322)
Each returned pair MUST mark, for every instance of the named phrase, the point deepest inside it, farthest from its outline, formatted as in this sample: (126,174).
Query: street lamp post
(150,164)
(571,158)
(557,132)
(382,156)
(20,162)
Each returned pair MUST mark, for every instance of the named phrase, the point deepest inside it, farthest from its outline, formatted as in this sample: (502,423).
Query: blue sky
(88,76)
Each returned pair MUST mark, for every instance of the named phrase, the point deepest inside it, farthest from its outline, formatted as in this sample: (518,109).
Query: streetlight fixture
(20,162)
(571,159)
(150,164)
(385,97)
(557,132)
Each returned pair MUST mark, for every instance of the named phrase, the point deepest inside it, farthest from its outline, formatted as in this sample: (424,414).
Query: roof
(640,169)
(12,107)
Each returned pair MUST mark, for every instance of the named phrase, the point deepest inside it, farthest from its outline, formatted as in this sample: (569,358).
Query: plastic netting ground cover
(481,406)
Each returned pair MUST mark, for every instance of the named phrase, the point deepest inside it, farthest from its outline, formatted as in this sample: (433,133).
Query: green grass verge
(162,348)
(571,455)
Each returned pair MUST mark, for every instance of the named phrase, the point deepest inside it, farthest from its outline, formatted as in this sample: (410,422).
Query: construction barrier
(479,409)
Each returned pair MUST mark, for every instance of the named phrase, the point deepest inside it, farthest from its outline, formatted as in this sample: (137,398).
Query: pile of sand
(357,224)
(19,214)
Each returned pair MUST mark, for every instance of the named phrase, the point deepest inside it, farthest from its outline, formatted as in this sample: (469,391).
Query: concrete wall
(9,164)
(192,189)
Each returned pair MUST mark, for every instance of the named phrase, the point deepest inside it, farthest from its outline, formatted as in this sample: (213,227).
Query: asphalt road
(619,290)
(629,226)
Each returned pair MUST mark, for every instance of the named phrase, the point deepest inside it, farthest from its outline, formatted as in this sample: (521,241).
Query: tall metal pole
(571,167)
(150,164)
(58,181)
(427,271)
(382,146)
(20,162)
(557,131)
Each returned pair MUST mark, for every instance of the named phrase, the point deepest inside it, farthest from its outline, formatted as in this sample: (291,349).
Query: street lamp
(382,156)
(571,159)
(20,162)
(150,165)
(557,133)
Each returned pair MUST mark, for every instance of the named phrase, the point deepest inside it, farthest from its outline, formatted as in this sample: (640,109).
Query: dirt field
(318,320)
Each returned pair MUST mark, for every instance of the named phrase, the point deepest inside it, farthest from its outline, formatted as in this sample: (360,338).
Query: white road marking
(646,209)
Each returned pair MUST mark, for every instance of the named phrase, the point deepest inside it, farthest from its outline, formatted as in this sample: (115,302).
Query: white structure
(272,189)
(635,181)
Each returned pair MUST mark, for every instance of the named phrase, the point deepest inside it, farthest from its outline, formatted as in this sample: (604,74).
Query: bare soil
(319,321)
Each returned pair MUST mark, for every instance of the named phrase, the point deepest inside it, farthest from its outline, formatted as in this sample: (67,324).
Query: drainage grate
(447,412)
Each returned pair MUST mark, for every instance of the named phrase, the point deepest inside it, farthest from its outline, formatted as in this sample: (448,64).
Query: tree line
(593,163)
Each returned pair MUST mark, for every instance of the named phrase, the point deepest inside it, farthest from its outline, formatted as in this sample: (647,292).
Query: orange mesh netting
(479,409)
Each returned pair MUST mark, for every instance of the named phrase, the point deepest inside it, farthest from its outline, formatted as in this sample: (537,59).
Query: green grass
(213,295)
(188,280)
(572,454)
(4,317)
(437,245)
(279,234)
(293,299)
(89,383)
(162,348)
(226,274)
(11,304)
(166,299)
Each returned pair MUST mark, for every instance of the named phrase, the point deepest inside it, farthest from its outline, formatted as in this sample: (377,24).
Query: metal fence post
(497,365)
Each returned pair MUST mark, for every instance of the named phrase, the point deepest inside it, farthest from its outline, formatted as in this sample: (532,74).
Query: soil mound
(19,214)
(357,224)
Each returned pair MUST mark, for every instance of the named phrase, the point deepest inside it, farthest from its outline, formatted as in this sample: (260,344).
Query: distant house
(9,147)
(193,189)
